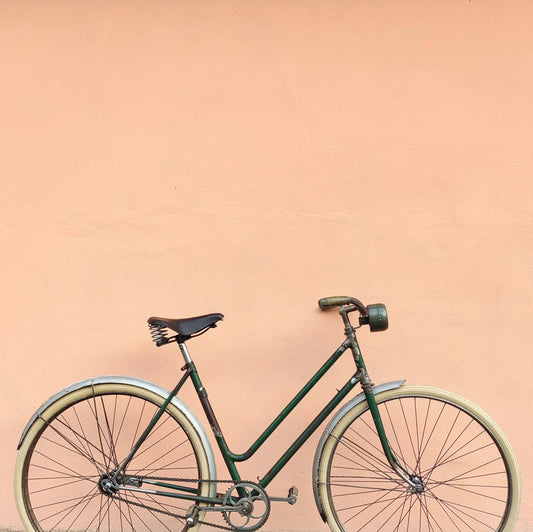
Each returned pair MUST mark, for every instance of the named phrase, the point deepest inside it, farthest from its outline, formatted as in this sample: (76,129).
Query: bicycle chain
(177,516)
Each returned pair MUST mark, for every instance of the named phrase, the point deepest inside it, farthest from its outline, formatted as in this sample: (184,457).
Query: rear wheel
(461,458)
(64,475)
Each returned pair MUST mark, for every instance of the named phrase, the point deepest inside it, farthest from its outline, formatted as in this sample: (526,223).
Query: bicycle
(120,453)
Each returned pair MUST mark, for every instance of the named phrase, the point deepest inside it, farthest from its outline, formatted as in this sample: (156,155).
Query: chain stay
(203,509)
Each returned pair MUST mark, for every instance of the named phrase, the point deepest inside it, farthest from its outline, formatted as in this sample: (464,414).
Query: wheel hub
(417,484)
(107,485)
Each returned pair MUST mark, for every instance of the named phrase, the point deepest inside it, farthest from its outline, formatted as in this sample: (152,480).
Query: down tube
(293,449)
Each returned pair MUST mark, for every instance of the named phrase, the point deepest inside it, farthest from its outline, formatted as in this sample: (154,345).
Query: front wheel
(65,470)
(458,455)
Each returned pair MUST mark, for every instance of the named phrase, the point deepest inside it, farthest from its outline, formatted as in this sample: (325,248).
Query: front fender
(343,410)
(141,384)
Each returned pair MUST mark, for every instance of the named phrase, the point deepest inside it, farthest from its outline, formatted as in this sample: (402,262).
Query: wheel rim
(463,470)
(68,474)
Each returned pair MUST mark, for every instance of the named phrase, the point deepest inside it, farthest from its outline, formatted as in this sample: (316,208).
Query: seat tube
(200,390)
(211,418)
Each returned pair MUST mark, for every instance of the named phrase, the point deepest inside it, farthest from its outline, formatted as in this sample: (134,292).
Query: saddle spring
(159,334)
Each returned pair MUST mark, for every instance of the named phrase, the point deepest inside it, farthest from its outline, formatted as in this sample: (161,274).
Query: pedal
(293,495)
(291,498)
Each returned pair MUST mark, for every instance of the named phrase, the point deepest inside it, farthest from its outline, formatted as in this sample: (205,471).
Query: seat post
(185,352)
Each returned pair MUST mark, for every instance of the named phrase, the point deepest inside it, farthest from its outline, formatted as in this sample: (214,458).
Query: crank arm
(291,498)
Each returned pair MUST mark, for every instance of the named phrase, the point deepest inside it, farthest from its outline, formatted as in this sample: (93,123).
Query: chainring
(252,506)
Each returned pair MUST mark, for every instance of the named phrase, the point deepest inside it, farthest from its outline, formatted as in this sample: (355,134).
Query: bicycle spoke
(375,461)
(59,486)
(72,449)
(74,473)
(151,500)
(71,506)
(112,449)
(79,450)
(145,450)
(365,507)
(101,436)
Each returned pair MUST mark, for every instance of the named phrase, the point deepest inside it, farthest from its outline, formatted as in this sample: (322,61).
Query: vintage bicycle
(119,453)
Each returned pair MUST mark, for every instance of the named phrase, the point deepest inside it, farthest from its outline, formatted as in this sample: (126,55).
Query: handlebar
(374,315)
(338,301)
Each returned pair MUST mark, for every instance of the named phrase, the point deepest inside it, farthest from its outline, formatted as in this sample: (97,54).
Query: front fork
(412,480)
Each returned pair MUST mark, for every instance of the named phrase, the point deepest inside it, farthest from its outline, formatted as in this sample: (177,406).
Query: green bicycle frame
(231,458)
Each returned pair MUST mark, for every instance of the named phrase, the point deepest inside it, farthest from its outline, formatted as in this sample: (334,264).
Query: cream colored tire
(64,456)
(468,468)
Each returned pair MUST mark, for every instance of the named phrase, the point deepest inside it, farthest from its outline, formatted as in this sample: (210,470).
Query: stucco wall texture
(178,158)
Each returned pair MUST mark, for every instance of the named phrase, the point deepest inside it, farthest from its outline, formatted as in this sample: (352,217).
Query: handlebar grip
(332,302)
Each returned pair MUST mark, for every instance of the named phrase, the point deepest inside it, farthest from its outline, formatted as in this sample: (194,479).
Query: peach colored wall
(248,158)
